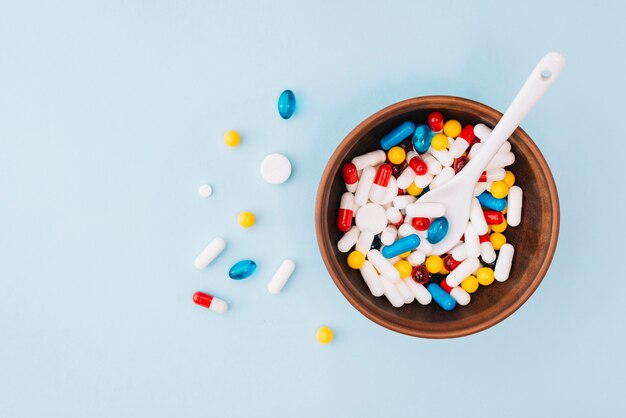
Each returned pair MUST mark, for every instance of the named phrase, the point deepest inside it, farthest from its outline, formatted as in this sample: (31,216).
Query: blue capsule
(398,135)
(242,269)
(442,297)
(401,246)
(437,230)
(487,200)
(422,137)
(286,104)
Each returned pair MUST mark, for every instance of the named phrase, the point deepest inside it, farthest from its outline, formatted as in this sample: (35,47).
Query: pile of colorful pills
(388,235)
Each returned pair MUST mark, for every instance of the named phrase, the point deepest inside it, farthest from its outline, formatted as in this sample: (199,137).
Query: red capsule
(450,263)
(421,224)
(435,121)
(420,274)
(444,285)
(459,163)
(467,133)
(346,209)
(418,165)
(383,175)
(493,217)
(350,175)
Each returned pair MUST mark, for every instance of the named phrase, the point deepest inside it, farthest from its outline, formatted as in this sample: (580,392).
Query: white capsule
(505,148)
(210,253)
(487,252)
(402,201)
(474,150)
(479,188)
(347,241)
(442,156)
(279,279)
(372,279)
(459,253)
(477,217)
(365,184)
(514,206)
(442,178)
(416,257)
(370,159)
(460,295)
(423,181)
(458,147)
(389,235)
(405,291)
(434,166)
(383,265)
(391,192)
(351,187)
(371,217)
(466,268)
(501,160)
(482,132)
(392,293)
(426,210)
(364,243)
(394,216)
(472,242)
(405,178)
(422,295)
(504,262)
(405,230)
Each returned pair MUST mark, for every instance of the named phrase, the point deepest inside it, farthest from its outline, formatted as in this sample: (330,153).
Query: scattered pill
(275,168)
(324,335)
(232,138)
(279,279)
(210,302)
(205,190)
(246,219)
(286,104)
(242,270)
(210,253)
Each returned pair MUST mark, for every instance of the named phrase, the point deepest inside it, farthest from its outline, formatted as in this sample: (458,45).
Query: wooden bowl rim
(331,170)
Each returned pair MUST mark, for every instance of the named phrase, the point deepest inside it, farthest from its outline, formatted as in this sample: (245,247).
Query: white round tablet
(275,168)
(371,217)
(205,190)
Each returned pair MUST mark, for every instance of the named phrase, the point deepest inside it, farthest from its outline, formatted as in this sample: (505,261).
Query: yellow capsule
(356,259)
(484,276)
(404,267)
(440,142)
(413,190)
(434,264)
(405,255)
(497,240)
(246,219)
(324,335)
(499,228)
(232,138)
(396,155)
(470,284)
(452,128)
(499,189)
(509,178)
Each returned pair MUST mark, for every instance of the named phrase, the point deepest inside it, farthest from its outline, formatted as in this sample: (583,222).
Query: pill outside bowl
(534,239)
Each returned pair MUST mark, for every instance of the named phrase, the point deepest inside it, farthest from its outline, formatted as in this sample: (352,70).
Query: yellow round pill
(246,219)
(440,142)
(509,178)
(404,267)
(444,270)
(434,264)
(470,284)
(396,155)
(232,138)
(356,259)
(324,335)
(497,240)
(452,128)
(499,189)
(413,190)
(500,227)
(484,275)
(405,255)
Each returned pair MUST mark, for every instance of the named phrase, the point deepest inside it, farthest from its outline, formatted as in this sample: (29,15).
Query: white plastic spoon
(456,195)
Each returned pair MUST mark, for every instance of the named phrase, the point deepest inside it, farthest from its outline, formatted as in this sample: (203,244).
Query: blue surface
(112,115)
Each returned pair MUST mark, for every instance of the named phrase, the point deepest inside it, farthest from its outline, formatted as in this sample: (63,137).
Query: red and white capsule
(492,175)
(210,302)
(346,209)
(418,165)
(350,176)
(381,181)
(487,252)
(457,292)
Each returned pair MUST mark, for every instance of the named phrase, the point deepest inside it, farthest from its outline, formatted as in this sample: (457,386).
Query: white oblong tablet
(371,217)
(279,279)
(275,168)
(205,190)
(210,252)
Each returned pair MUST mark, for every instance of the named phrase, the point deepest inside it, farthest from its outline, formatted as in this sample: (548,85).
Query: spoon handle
(542,77)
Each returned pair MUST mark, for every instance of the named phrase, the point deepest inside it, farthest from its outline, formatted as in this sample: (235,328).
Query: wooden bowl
(534,239)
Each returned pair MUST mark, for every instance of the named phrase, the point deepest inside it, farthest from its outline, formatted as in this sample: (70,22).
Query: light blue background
(111,116)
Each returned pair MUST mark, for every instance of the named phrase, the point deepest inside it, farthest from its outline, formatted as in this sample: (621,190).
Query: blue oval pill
(422,137)
(286,104)
(437,230)
(442,297)
(487,200)
(242,269)
(398,135)
(401,246)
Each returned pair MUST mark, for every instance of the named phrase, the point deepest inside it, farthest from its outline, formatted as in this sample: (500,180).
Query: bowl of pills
(379,241)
